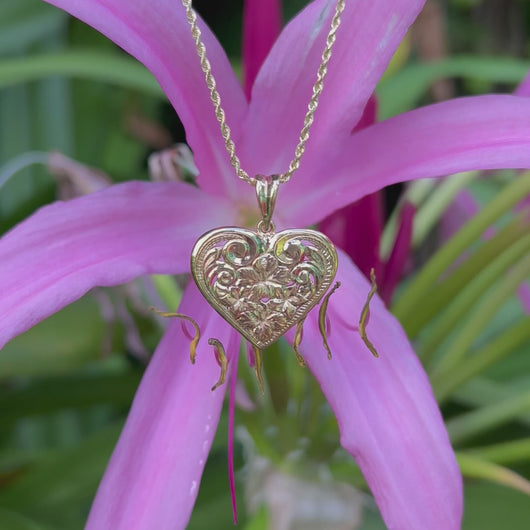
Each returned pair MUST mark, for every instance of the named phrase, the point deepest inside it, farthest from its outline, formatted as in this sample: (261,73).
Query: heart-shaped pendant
(262,282)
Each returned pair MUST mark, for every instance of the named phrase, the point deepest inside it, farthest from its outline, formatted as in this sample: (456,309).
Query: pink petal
(394,267)
(262,22)
(370,32)
(460,211)
(369,115)
(153,476)
(357,229)
(524,87)
(387,415)
(485,132)
(157,34)
(107,238)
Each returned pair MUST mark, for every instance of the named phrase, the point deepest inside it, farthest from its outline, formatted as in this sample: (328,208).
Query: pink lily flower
(357,229)
(387,415)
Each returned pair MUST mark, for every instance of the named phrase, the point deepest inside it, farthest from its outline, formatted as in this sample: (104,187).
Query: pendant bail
(266,192)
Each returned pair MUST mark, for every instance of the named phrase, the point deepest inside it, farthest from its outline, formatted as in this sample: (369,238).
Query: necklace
(263,282)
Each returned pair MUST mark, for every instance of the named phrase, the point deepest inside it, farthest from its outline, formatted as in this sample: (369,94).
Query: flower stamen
(221,359)
(322,317)
(194,340)
(298,334)
(365,315)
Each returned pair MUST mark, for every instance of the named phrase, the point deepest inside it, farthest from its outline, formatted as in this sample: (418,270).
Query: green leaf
(482,315)
(10,520)
(505,453)
(404,90)
(67,340)
(33,117)
(472,277)
(168,290)
(81,64)
(259,521)
(471,424)
(475,467)
(506,343)
(408,302)
(63,478)
(77,391)
(492,507)
(430,212)
(26,22)
(481,392)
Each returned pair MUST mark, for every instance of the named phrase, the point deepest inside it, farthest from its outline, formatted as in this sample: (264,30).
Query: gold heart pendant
(262,282)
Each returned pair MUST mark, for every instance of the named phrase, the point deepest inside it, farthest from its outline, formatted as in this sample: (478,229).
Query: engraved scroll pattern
(266,283)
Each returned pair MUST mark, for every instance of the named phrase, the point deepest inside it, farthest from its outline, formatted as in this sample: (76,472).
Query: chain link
(220,113)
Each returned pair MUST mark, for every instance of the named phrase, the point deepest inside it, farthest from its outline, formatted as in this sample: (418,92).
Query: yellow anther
(221,358)
(196,338)
(322,317)
(296,343)
(363,321)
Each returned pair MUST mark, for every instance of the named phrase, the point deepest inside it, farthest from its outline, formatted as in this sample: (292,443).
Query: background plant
(66,385)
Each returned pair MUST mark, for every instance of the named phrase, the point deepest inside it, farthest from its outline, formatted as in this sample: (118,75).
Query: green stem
(408,301)
(507,342)
(473,423)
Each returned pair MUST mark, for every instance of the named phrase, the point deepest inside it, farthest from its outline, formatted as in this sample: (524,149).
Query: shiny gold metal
(216,98)
(263,283)
(266,193)
(297,341)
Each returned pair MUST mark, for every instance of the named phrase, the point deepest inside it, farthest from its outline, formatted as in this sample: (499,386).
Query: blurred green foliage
(66,385)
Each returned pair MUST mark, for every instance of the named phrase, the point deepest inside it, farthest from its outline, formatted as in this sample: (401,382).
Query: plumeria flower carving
(266,278)
(388,418)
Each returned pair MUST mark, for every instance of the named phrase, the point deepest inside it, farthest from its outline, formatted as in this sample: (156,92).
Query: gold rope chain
(220,113)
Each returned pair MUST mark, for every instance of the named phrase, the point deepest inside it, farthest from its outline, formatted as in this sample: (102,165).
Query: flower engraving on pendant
(263,283)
